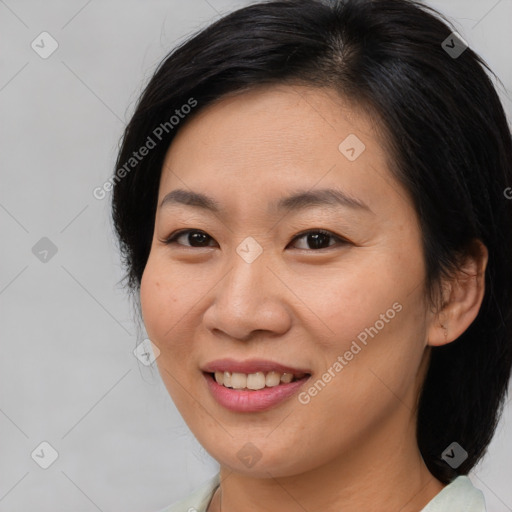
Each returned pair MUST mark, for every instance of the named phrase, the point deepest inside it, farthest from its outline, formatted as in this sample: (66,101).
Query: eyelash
(172,238)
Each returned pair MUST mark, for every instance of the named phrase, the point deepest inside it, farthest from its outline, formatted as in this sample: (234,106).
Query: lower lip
(252,401)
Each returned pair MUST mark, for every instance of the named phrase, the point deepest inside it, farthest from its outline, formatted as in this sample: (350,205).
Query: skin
(353,446)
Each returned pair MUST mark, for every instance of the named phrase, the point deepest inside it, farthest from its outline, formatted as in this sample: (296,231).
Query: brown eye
(194,237)
(318,239)
(315,239)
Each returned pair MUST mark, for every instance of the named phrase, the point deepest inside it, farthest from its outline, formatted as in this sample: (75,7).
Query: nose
(250,299)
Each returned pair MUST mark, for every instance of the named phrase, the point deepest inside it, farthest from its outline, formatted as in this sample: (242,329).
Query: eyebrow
(299,200)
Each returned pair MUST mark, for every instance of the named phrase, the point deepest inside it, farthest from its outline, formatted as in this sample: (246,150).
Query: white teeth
(272,379)
(253,381)
(286,377)
(256,380)
(238,380)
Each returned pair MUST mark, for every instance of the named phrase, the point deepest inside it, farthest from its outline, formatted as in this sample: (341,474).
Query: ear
(461,298)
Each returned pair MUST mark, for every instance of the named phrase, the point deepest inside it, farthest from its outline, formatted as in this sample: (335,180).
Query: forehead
(292,120)
(276,138)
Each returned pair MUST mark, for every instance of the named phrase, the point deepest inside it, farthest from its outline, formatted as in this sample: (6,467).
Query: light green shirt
(458,496)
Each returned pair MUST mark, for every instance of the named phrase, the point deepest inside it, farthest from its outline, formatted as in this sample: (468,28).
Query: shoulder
(458,496)
(197,501)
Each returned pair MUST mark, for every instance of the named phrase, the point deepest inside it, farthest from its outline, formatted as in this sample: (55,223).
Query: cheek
(373,317)
(150,300)
(381,359)
(164,310)
(349,300)
(159,301)
(169,299)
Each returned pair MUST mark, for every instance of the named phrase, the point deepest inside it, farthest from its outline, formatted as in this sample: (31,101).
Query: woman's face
(247,290)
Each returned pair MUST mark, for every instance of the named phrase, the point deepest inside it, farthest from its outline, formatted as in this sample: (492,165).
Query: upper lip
(251,366)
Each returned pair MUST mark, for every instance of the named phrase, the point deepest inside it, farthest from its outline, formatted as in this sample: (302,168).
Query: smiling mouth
(255,381)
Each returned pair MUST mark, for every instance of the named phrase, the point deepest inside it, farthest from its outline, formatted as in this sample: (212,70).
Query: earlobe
(463,298)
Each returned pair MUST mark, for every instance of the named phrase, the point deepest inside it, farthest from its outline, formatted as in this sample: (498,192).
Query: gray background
(67,372)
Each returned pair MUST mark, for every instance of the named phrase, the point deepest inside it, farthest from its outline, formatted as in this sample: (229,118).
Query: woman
(310,203)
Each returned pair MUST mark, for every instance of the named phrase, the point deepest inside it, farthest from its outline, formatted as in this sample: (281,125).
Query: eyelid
(171,239)
(175,235)
(338,239)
